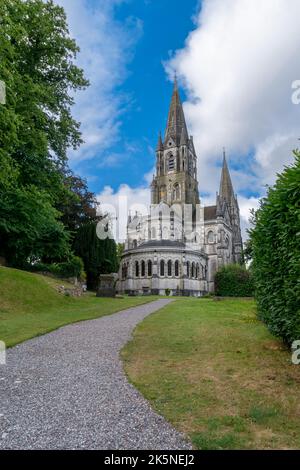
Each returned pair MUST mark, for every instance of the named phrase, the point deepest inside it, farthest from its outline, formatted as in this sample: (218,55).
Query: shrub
(275,242)
(71,268)
(167,292)
(234,280)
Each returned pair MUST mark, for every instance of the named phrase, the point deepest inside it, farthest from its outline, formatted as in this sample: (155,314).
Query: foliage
(67,269)
(78,205)
(120,250)
(43,203)
(234,280)
(248,251)
(99,256)
(167,292)
(72,268)
(37,64)
(29,228)
(275,239)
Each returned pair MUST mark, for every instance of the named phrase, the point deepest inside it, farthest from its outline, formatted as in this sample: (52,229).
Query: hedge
(275,240)
(234,280)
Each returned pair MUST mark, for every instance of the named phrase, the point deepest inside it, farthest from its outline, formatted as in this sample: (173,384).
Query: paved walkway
(67,390)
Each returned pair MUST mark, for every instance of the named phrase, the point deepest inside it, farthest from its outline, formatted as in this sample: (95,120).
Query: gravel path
(67,390)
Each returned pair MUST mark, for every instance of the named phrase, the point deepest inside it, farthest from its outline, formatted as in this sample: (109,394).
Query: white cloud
(246,204)
(106,48)
(238,66)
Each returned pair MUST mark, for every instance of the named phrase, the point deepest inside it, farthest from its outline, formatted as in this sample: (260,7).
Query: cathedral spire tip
(176,119)
(175,81)
(160,145)
(226,188)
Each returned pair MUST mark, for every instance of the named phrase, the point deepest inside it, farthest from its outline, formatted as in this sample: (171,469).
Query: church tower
(227,198)
(175,181)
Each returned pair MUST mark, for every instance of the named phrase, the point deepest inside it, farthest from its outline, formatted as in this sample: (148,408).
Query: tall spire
(176,121)
(226,188)
(159,143)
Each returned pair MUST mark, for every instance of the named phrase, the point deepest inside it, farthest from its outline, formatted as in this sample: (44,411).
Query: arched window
(171,163)
(137,269)
(169,268)
(176,192)
(125,271)
(193,270)
(197,271)
(149,268)
(188,269)
(134,243)
(153,233)
(162,268)
(143,269)
(176,268)
(210,237)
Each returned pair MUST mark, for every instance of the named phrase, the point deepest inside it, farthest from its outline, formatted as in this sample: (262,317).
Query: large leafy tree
(37,64)
(78,205)
(29,229)
(275,246)
(36,128)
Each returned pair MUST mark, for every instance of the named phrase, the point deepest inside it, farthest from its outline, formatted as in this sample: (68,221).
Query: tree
(29,229)
(99,256)
(248,251)
(78,205)
(120,250)
(275,240)
(36,128)
(37,63)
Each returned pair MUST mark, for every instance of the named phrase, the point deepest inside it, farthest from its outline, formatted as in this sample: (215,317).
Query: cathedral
(178,247)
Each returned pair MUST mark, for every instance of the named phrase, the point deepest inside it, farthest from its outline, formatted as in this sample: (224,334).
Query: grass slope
(215,372)
(30,306)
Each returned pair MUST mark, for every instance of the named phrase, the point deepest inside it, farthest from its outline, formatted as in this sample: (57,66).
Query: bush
(167,292)
(71,268)
(234,280)
(275,242)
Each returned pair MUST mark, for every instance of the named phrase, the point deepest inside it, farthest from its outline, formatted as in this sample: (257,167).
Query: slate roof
(210,212)
(162,243)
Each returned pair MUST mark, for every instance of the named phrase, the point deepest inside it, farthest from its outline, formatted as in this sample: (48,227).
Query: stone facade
(180,245)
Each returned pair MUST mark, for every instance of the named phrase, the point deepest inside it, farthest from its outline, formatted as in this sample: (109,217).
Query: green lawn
(30,306)
(216,373)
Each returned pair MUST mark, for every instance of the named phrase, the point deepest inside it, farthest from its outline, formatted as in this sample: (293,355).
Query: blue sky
(236,90)
(165,25)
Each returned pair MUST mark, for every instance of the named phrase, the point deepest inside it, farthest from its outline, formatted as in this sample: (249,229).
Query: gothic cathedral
(179,245)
